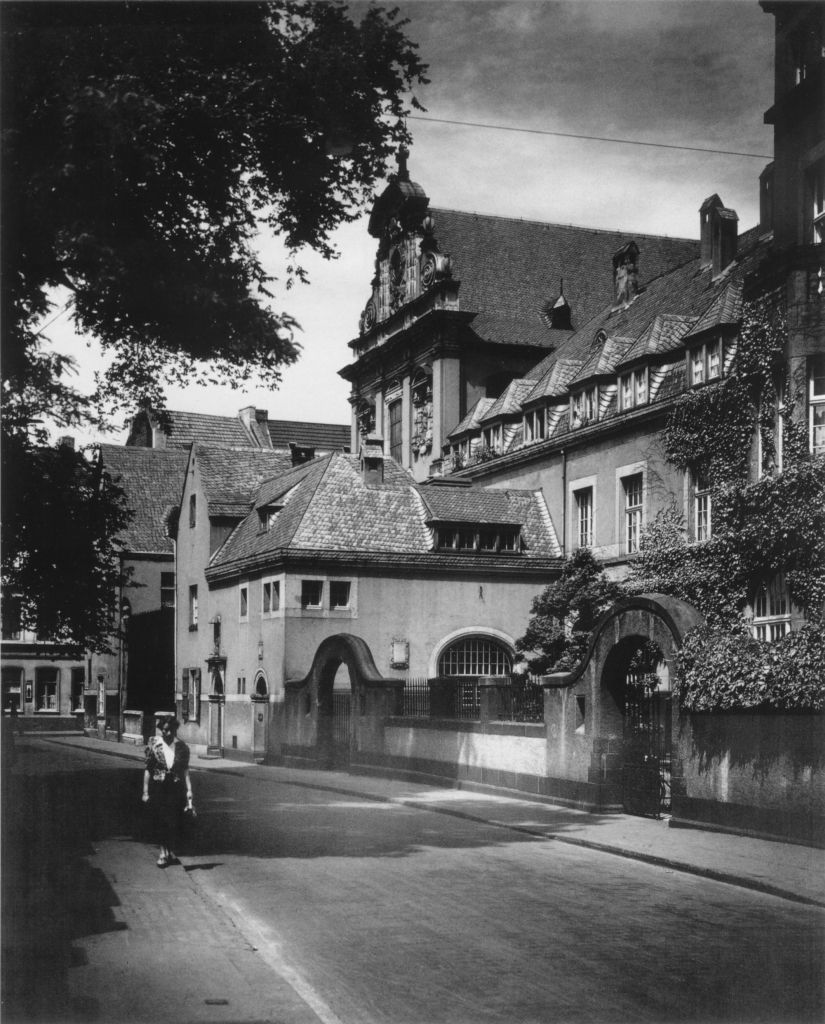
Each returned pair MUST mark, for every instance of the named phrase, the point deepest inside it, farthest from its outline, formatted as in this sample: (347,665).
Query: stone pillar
(406,422)
(447,403)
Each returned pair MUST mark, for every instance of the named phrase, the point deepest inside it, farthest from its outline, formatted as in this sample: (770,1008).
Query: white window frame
(584,407)
(701,365)
(583,502)
(535,425)
(492,438)
(626,391)
(275,591)
(772,610)
(306,605)
(39,683)
(640,386)
(633,505)
(701,509)
(333,607)
(193,606)
(816,405)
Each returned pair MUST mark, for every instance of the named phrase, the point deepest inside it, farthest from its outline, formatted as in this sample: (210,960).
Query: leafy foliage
(61,560)
(144,148)
(565,612)
(773,525)
(720,668)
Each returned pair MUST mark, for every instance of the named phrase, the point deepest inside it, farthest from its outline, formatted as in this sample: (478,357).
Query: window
(534,426)
(633,389)
(312,592)
(816,192)
(705,362)
(339,594)
(584,408)
(478,538)
(193,606)
(193,505)
(772,610)
(816,404)
(12,688)
(190,703)
(475,656)
(45,689)
(167,590)
(396,447)
(243,602)
(78,686)
(491,439)
(241,684)
(633,508)
(267,515)
(270,597)
(701,508)
(584,517)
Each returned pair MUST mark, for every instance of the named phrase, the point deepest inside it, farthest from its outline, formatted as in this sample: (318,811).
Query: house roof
(510,269)
(509,401)
(664,334)
(472,421)
(325,436)
(603,359)
(330,508)
(152,480)
(232,476)
(555,382)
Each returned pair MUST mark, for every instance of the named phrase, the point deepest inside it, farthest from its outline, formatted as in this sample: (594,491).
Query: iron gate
(341,705)
(646,767)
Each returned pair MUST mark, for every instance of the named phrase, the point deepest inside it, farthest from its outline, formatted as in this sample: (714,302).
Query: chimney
(719,228)
(66,441)
(300,453)
(626,274)
(256,423)
(372,460)
(766,200)
(158,436)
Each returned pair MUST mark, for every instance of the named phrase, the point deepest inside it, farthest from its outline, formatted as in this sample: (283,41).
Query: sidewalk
(787,870)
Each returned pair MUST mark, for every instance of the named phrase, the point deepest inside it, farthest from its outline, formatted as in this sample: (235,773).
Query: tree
(144,147)
(565,612)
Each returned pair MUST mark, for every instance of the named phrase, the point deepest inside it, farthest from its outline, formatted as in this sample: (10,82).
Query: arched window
(475,656)
(260,686)
(772,610)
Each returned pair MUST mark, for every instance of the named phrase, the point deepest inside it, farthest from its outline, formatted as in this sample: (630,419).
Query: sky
(695,73)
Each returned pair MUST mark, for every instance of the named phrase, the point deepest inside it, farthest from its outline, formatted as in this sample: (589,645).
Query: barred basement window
(772,610)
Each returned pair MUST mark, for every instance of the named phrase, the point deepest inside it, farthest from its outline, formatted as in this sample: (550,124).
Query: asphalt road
(379,913)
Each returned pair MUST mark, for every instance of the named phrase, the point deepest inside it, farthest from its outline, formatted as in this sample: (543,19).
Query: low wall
(761,771)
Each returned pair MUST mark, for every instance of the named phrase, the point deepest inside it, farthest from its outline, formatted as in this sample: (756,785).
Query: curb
(589,844)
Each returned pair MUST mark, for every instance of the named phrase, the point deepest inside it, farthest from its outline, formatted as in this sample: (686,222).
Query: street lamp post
(125,615)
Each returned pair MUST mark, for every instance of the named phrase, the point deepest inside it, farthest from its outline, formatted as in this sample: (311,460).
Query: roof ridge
(556,224)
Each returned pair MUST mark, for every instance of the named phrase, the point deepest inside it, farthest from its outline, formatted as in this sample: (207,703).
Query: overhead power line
(589,138)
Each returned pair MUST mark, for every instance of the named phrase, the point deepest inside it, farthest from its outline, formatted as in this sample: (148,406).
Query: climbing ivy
(776,524)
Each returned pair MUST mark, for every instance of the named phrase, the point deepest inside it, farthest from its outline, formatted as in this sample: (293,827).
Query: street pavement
(178,944)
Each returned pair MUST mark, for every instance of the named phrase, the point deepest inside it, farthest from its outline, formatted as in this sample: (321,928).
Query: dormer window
(705,362)
(491,438)
(473,537)
(633,388)
(534,426)
(584,407)
(267,514)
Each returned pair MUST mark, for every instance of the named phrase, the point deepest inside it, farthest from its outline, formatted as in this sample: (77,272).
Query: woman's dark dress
(167,790)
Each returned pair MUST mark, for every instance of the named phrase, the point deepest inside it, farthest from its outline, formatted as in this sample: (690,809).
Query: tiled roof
(603,360)
(509,401)
(472,420)
(725,309)
(232,476)
(556,380)
(665,333)
(152,480)
(202,428)
(330,508)
(328,437)
(510,269)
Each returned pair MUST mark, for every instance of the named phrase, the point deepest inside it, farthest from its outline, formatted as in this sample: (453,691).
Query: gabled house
(270,567)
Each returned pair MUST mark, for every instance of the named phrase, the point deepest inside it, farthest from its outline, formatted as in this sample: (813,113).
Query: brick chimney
(719,233)
(626,274)
(372,460)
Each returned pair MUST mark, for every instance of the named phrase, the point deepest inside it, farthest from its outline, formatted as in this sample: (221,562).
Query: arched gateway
(326,719)
(614,713)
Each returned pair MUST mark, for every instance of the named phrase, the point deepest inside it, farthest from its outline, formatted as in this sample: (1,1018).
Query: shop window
(12,688)
(46,689)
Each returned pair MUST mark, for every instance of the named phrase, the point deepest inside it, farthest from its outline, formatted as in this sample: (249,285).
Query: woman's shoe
(163,862)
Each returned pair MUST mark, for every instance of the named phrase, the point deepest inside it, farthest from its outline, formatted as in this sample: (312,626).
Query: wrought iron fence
(416,698)
(458,697)
(527,699)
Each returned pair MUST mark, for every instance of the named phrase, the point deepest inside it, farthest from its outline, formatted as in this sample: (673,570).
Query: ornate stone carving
(435,266)
(369,317)
(421,441)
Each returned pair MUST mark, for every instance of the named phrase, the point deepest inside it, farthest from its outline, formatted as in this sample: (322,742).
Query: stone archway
(595,704)
(319,728)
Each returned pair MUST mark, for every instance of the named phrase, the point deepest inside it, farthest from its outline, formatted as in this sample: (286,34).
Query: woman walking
(167,787)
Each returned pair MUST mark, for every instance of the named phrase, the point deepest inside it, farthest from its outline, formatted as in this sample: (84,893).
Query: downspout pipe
(563,503)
